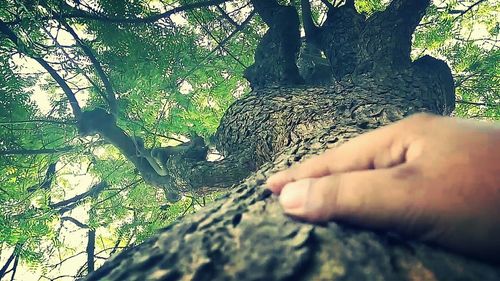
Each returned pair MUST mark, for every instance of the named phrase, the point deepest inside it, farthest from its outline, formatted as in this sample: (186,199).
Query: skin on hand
(429,177)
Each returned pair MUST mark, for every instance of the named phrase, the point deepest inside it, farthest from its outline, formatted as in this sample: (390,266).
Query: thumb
(374,198)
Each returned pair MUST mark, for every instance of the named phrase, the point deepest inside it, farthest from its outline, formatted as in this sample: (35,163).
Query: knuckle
(320,202)
(406,172)
(419,124)
(337,203)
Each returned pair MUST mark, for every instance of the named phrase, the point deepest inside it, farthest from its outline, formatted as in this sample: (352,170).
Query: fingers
(382,148)
(357,154)
(374,198)
(317,166)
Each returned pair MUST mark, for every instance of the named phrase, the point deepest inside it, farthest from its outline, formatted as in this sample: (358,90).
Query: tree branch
(266,9)
(15,252)
(62,83)
(218,42)
(76,67)
(90,250)
(383,46)
(37,121)
(201,176)
(98,121)
(116,246)
(47,180)
(75,222)
(71,203)
(14,268)
(221,44)
(275,57)
(227,17)
(349,3)
(478,103)
(53,266)
(76,13)
(4,268)
(468,9)
(310,28)
(111,98)
(36,151)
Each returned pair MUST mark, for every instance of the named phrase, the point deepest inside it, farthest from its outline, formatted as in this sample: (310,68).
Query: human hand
(430,177)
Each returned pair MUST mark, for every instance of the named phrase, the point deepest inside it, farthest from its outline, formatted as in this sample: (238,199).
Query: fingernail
(272,183)
(269,180)
(294,195)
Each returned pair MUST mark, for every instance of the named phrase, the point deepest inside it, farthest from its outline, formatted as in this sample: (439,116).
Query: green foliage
(20,221)
(369,7)
(467,38)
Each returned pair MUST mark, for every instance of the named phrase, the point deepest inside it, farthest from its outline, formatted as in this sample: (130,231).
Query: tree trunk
(290,115)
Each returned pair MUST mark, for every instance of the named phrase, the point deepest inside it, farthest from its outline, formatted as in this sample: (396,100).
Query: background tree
(127,80)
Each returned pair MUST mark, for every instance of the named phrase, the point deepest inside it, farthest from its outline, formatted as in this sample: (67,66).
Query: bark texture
(245,236)
(287,118)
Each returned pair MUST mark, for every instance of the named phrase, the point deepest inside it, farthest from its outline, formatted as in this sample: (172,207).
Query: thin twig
(76,13)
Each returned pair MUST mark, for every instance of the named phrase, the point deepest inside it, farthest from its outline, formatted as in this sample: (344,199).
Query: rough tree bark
(287,118)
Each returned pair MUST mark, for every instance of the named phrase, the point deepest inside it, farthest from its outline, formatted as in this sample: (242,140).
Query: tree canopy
(161,73)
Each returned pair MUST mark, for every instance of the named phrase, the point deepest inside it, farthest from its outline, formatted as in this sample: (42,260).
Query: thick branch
(100,122)
(71,203)
(60,81)
(111,98)
(90,250)
(14,268)
(12,256)
(75,222)
(103,123)
(349,3)
(275,57)
(47,180)
(197,175)
(266,9)
(339,39)
(386,41)
(310,28)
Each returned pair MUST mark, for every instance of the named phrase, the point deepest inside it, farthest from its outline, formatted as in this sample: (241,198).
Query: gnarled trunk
(287,118)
